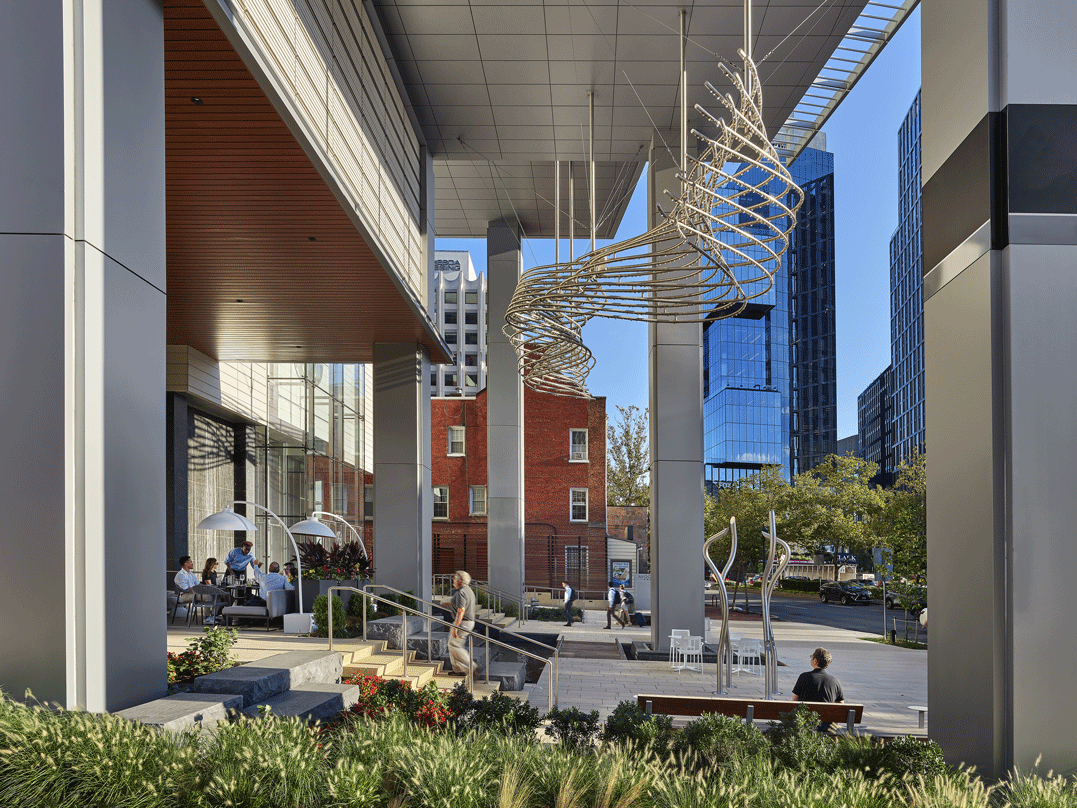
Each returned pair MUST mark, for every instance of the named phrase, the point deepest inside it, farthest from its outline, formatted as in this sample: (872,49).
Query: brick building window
(577,439)
(577,505)
(576,564)
(478,500)
(368,502)
(441,502)
(456,440)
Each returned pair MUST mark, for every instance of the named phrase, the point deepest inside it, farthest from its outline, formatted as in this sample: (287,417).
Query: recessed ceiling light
(239,300)
(196,100)
(312,238)
(298,346)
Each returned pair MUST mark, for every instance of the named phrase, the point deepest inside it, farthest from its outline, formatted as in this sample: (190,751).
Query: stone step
(480,688)
(310,701)
(511,675)
(355,650)
(184,710)
(387,664)
(261,680)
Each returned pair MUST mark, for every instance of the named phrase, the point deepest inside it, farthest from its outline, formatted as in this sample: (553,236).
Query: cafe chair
(207,597)
(675,637)
(689,650)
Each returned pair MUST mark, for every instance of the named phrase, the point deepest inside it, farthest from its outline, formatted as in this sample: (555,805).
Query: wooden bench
(749,709)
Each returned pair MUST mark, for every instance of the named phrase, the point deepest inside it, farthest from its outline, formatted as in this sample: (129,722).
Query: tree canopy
(628,460)
(903,521)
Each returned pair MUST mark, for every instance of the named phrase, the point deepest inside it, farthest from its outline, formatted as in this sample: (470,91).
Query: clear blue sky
(862,134)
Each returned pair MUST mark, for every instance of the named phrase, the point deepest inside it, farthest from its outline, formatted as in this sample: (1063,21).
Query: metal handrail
(493,594)
(582,593)
(405,610)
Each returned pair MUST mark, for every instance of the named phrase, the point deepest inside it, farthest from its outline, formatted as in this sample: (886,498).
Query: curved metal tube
(724,646)
(719,247)
(770,580)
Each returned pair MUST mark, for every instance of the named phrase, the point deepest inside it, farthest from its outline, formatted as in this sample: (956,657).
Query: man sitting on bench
(817,684)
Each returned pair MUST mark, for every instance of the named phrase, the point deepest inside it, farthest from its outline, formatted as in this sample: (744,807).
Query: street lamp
(228,519)
(314,527)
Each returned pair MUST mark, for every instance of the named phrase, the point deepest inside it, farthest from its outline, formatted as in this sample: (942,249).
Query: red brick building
(632,523)
(564,488)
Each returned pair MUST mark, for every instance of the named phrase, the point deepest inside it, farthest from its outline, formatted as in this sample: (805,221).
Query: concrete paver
(885,679)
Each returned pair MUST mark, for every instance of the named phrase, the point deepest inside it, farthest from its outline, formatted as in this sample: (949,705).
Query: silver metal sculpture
(725,648)
(719,247)
(771,575)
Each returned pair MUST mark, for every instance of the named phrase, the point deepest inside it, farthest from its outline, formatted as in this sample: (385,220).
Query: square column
(505,417)
(403,496)
(1000,255)
(82,322)
(675,368)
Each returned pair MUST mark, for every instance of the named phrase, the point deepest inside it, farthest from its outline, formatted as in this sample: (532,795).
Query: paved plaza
(885,679)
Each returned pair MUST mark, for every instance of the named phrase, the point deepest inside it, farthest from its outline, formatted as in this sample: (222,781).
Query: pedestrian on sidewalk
(570,595)
(613,605)
(463,604)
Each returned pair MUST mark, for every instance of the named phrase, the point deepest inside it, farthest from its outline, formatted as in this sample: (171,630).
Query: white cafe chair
(690,649)
(675,637)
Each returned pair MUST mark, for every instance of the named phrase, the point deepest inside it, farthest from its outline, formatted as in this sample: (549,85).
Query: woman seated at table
(209,572)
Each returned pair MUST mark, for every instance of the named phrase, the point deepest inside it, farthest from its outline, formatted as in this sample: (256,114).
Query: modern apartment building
(769,374)
(875,421)
(903,381)
(907,295)
(458,308)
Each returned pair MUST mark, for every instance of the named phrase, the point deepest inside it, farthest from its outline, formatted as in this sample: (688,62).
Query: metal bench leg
(749,715)
(850,722)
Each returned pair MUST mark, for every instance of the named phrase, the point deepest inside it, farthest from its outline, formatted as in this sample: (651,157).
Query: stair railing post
(471,654)
(404,640)
(487,654)
(330,628)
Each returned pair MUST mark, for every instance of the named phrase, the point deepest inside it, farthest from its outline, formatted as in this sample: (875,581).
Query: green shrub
(572,727)
(797,742)
(799,586)
(321,615)
(460,702)
(718,740)
(914,756)
(206,654)
(630,724)
(504,714)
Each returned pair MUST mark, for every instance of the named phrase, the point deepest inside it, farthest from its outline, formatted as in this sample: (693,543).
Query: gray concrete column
(1000,253)
(403,497)
(505,417)
(675,368)
(82,322)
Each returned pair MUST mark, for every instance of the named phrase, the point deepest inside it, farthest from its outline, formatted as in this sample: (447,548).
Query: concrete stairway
(306,684)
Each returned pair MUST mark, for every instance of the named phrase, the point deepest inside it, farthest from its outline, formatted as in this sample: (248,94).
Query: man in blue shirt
(236,561)
(272,580)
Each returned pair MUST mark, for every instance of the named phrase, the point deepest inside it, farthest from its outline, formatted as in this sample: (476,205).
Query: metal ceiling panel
(538,62)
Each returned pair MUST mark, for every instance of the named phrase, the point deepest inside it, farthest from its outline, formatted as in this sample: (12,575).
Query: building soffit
(500,91)
(264,263)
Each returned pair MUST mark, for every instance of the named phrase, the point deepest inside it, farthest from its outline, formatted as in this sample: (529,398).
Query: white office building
(458,308)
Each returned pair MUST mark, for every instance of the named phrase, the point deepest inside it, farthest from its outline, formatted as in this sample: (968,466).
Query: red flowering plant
(341,562)
(427,706)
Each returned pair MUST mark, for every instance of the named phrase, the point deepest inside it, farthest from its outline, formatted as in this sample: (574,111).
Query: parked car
(845,592)
(916,600)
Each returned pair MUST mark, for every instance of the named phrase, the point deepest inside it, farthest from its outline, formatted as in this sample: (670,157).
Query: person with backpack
(613,605)
(570,595)
(628,605)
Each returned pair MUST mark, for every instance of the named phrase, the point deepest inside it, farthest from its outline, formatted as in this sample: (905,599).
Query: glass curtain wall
(310,457)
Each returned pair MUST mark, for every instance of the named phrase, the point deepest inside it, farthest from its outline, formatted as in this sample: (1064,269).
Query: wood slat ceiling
(263,262)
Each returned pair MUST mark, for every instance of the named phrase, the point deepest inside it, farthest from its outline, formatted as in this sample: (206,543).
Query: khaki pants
(461,659)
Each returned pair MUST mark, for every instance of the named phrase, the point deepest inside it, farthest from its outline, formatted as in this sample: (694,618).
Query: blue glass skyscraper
(763,366)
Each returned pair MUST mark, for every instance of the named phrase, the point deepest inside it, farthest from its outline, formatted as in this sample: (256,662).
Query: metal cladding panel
(966,691)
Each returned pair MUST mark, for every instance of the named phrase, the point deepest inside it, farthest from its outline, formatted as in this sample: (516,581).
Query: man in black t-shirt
(817,684)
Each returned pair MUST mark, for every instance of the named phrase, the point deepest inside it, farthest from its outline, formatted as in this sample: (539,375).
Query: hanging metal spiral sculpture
(718,248)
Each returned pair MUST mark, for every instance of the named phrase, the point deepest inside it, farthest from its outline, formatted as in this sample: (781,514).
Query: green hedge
(800,586)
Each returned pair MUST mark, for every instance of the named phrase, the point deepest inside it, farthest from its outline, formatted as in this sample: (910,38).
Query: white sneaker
(208,621)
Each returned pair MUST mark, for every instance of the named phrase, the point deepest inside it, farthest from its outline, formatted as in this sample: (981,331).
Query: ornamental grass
(391,758)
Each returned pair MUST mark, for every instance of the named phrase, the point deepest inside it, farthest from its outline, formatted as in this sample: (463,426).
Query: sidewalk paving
(886,679)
